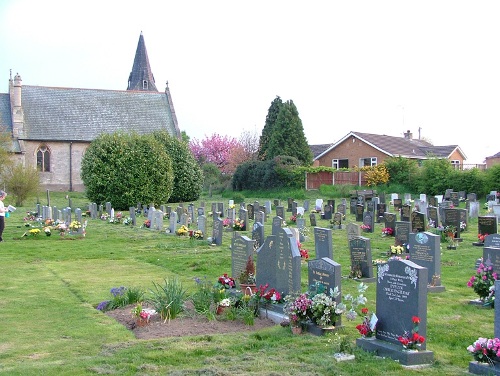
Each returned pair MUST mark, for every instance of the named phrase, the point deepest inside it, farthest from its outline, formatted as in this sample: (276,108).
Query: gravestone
(301,226)
(425,251)
(256,207)
(417,222)
(361,259)
(241,249)
(353,231)
(471,197)
(452,217)
(491,257)
(290,204)
(312,219)
(287,266)
(180,212)
(277,202)
(331,202)
(172,222)
(473,209)
(327,212)
(190,212)
(360,209)
(78,217)
(406,213)
(158,220)
(447,194)
(267,261)
(108,208)
(260,216)
(337,221)
(202,224)
(220,209)
(433,216)
(323,243)
(327,273)
(352,205)
(294,208)
(280,211)
(267,207)
(131,213)
(433,201)
(463,217)
(492,241)
(184,220)
(401,233)
(390,221)
(398,203)
(454,198)
(306,205)
(341,208)
(370,206)
(407,198)
(401,295)
(276,226)
(217,231)
(244,218)
(214,209)
(258,234)
(369,220)
(381,210)
(250,211)
(318,206)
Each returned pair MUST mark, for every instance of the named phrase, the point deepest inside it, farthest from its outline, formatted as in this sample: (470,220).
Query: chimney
(16,106)
(408,135)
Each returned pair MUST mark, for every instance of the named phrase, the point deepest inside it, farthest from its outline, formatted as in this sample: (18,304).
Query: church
(51,127)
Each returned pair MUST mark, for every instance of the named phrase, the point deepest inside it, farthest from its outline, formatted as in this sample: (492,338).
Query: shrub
(126,169)
(21,182)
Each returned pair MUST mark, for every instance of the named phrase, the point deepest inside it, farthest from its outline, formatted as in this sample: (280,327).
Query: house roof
(399,146)
(316,150)
(72,114)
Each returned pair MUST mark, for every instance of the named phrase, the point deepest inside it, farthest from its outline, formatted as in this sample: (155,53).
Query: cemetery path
(190,324)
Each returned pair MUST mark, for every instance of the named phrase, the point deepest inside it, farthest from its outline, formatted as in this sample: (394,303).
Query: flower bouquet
(182,231)
(238,224)
(387,231)
(304,253)
(298,309)
(413,340)
(485,350)
(396,250)
(365,228)
(226,282)
(325,311)
(75,226)
(368,326)
(483,281)
(481,237)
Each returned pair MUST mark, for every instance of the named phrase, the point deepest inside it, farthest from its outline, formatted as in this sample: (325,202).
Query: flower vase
(220,309)
(296,329)
(248,289)
(141,322)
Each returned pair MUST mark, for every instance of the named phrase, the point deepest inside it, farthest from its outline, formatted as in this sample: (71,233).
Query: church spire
(141,77)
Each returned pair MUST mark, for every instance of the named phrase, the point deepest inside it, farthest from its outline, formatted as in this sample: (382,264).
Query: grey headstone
(276,227)
(250,211)
(260,217)
(266,262)
(369,220)
(352,230)
(361,256)
(360,209)
(452,217)
(108,208)
(172,222)
(352,205)
(406,213)
(425,251)
(280,211)
(241,248)
(267,206)
(487,225)
(290,204)
(323,243)
(341,208)
(258,234)
(497,313)
(327,273)
(131,212)
(433,216)
(301,225)
(381,210)
(217,231)
(202,224)
(473,209)
(327,212)
(401,294)
(306,205)
(454,198)
(244,217)
(337,221)
(220,208)
(390,221)
(312,219)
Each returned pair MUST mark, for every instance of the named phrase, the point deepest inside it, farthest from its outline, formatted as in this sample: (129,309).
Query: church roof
(141,77)
(72,114)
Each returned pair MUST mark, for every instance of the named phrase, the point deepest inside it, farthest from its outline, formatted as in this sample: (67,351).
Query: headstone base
(319,331)
(478,244)
(396,352)
(435,289)
(479,303)
(366,280)
(478,368)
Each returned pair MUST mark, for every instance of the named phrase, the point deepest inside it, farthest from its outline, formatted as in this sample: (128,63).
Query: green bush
(126,169)
(21,182)
(188,177)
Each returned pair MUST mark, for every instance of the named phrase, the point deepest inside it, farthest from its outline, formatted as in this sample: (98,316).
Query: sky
(382,67)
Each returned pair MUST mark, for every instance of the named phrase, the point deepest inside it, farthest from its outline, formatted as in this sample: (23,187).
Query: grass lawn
(50,286)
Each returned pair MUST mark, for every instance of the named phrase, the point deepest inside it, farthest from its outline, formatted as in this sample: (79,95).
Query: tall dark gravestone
(401,233)
(244,217)
(266,262)
(241,248)
(360,209)
(369,220)
(327,273)
(390,221)
(433,201)
(486,225)
(361,259)
(312,219)
(381,209)
(280,211)
(398,203)
(258,234)
(250,211)
(217,231)
(425,251)
(452,217)
(417,222)
(288,263)
(406,213)
(433,216)
(401,295)
(276,226)
(323,244)
(352,205)
(327,212)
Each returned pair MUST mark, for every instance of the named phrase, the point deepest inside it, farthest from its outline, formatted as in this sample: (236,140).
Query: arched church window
(145,85)
(43,159)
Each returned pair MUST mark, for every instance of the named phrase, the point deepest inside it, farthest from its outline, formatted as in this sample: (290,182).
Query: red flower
(415,319)
(364,311)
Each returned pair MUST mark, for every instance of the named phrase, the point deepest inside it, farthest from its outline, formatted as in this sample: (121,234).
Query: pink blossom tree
(215,149)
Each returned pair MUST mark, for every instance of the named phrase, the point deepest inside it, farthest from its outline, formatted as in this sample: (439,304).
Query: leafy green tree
(272,115)
(401,171)
(5,148)
(125,169)
(21,182)
(492,179)
(188,176)
(287,137)
(434,176)
(212,175)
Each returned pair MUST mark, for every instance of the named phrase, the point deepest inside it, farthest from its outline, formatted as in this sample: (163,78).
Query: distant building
(493,160)
(52,127)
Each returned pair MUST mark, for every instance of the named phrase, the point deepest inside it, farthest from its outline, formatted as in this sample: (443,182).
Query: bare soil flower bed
(189,324)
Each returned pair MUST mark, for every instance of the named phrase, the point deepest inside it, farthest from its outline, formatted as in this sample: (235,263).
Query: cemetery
(376,276)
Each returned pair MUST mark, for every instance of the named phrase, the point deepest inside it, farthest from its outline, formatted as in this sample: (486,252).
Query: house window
(340,163)
(43,159)
(456,164)
(145,85)
(363,162)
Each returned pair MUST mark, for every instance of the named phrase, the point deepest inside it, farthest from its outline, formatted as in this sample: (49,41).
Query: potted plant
(483,282)
(247,278)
